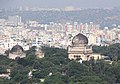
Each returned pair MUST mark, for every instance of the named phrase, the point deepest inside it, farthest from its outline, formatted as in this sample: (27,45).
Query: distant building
(14,20)
(81,50)
(17,52)
(5,74)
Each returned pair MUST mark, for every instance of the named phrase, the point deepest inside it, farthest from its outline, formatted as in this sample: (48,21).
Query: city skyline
(60,3)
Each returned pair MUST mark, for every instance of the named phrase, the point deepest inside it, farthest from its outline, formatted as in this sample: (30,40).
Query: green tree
(56,78)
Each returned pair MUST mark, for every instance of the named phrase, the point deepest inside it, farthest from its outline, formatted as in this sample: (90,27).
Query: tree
(76,69)
(40,73)
(2,69)
(113,73)
(56,78)
(19,73)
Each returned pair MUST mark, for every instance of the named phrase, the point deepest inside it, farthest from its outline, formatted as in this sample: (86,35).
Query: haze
(60,3)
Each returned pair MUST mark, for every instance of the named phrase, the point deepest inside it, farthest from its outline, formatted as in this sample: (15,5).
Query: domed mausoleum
(17,52)
(79,48)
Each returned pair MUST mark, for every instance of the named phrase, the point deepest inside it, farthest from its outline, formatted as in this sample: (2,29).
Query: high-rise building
(16,19)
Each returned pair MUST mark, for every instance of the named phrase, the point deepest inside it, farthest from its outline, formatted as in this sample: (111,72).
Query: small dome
(79,39)
(39,52)
(39,49)
(17,48)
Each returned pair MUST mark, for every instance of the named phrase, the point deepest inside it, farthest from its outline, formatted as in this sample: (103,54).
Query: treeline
(111,51)
(104,17)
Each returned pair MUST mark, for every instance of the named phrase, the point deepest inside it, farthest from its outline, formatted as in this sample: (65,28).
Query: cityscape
(65,44)
(14,31)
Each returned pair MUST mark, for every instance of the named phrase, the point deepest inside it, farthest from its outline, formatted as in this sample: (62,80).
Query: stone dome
(80,39)
(39,52)
(17,48)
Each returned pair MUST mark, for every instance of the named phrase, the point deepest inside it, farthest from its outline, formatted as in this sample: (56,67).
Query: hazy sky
(60,3)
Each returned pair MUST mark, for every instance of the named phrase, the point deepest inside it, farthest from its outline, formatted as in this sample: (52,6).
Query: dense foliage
(111,51)
(56,68)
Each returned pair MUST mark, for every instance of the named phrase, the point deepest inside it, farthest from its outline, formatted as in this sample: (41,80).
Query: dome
(39,49)
(17,48)
(79,39)
(39,52)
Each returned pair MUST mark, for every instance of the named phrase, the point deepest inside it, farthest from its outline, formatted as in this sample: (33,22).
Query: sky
(60,3)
